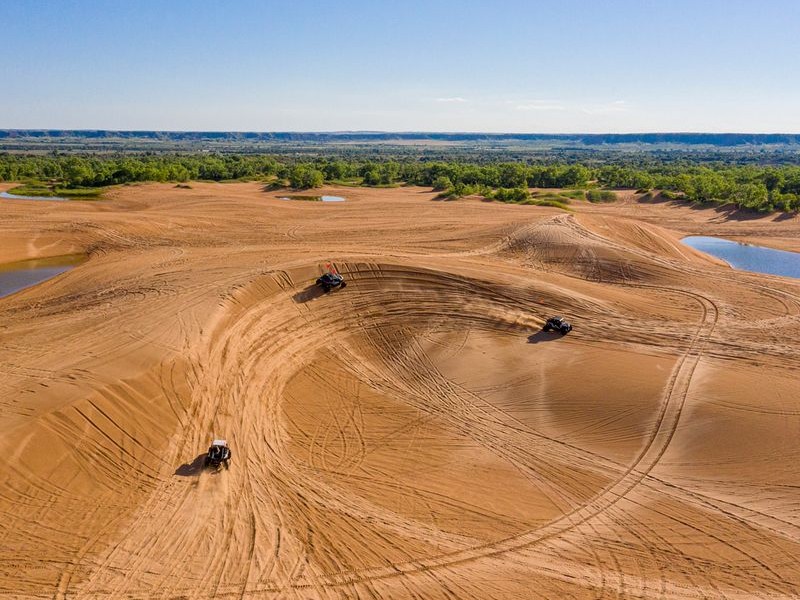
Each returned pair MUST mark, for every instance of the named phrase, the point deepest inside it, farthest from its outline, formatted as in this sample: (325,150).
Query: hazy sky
(449,65)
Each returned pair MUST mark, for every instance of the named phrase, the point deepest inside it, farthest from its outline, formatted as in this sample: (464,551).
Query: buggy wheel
(344,284)
(206,462)
(546,328)
(564,331)
(326,288)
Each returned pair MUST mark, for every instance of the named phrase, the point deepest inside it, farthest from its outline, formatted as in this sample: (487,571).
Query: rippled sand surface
(414,435)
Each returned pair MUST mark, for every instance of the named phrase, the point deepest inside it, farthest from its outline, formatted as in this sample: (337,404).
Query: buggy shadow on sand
(541,336)
(193,468)
(308,294)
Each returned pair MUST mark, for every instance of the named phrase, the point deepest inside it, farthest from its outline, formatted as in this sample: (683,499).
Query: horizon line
(388,131)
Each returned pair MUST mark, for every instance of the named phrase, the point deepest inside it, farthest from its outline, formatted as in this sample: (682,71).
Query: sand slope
(412,436)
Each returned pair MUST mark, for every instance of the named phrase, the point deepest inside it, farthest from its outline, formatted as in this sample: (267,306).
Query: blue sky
(432,65)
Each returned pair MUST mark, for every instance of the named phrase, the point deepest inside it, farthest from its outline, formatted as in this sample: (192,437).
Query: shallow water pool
(748,257)
(8,196)
(20,275)
(313,198)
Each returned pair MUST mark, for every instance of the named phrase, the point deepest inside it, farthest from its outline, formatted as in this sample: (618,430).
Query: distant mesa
(588,139)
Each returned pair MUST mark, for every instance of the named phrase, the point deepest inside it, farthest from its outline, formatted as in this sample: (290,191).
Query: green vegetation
(760,188)
(517,194)
(49,191)
(553,201)
(303,177)
(748,186)
(574,194)
(600,196)
(33,189)
(304,198)
(443,183)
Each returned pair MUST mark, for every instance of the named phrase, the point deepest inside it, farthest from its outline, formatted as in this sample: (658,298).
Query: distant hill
(587,139)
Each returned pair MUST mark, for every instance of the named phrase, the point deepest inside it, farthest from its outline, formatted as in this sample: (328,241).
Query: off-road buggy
(331,280)
(218,454)
(558,324)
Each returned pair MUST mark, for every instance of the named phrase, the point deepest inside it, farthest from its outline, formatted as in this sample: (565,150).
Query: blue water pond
(748,257)
(16,197)
(18,276)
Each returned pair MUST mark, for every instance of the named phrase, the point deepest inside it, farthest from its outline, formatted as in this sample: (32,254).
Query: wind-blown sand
(411,436)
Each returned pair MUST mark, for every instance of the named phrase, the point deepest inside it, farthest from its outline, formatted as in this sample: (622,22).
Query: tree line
(755,187)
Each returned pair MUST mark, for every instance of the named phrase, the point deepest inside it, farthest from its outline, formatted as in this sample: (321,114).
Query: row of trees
(97,171)
(754,187)
(758,188)
(80,171)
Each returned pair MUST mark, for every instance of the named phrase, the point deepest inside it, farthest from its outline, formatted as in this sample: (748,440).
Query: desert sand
(414,435)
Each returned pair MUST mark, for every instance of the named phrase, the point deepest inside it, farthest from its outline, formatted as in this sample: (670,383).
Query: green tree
(305,177)
(336,169)
(77,172)
(752,195)
(442,183)
(372,176)
(512,175)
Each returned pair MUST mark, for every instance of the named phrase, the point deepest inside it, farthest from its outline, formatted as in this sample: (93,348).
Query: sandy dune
(411,436)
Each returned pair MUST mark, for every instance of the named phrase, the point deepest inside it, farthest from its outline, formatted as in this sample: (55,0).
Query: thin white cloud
(617,106)
(453,99)
(541,105)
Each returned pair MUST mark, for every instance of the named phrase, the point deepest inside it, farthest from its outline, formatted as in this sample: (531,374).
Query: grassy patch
(79,192)
(48,191)
(574,194)
(552,196)
(554,202)
(516,195)
(353,182)
(522,196)
(276,184)
(305,198)
(601,196)
(460,190)
(381,185)
(33,189)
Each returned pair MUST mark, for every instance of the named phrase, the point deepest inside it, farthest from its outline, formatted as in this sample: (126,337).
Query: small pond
(25,273)
(314,198)
(16,197)
(748,257)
